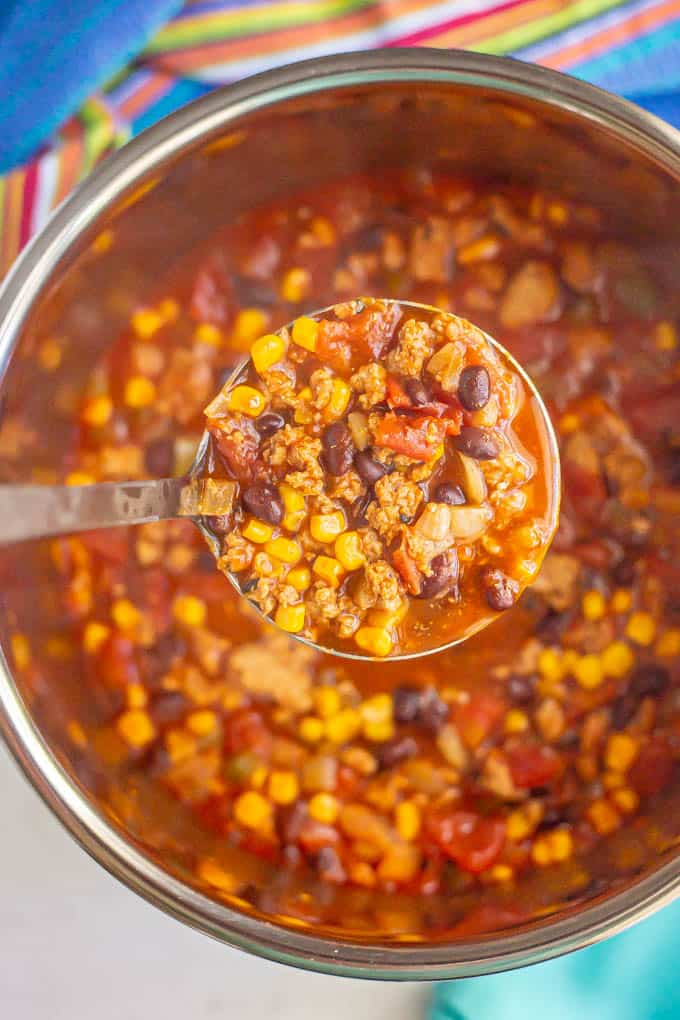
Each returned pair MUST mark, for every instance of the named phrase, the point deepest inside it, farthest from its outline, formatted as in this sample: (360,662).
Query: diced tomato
(653,768)
(212,587)
(112,544)
(585,490)
(477,718)
(396,394)
(212,297)
(246,730)
(116,662)
(418,438)
(473,841)
(348,343)
(406,567)
(533,765)
(487,917)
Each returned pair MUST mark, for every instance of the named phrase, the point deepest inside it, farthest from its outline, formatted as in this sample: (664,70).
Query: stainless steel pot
(163,192)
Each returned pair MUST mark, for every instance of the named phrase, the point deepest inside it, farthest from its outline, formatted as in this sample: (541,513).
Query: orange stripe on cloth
(492,25)
(70,159)
(145,96)
(638,24)
(282,40)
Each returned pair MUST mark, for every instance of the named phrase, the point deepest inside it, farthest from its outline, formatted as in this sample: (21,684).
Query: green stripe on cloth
(524,35)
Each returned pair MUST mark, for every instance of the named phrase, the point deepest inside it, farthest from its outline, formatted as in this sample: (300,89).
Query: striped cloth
(632,48)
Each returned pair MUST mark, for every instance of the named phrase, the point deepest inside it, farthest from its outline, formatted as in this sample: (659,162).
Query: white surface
(75,944)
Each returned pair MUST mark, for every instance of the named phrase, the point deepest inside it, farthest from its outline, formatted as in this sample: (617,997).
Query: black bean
(406,703)
(169,707)
(474,387)
(552,817)
(269,423)
(338,448)
(433,712)
(205,561)
(444,576)
(219,525)
(367,239)
(159,458)
(647,680)
(624,573)
(395,751)
(477,443)
(623,710)
(368,468)
(262,500)
(255,293)
(359,508)
(416,391)
(447,492)
(521,688)
(500,590)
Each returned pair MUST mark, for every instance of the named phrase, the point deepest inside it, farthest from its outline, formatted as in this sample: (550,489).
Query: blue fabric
(630,977)
(54,53)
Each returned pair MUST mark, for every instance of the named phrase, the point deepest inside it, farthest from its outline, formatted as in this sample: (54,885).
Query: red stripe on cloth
(30,187)
(444,26)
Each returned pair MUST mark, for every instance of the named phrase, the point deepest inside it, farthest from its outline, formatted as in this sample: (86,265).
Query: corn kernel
(293,520)
(50,355)
(299,578)
(283,787)
(102,242)
(250,323)
(641,628)
(377,708)
(549,665)
(622,600)
(481,250)
(247,400)
(211,873)
(327,701)
(136,696)
(588,672)
(612,780)
(125,615)
(253,810)
(603,817)
(561,844)
(257,531)
(21,651)
(76,733)
(593,605)
(387,618)
(349,551)
(290,618)
(295,285)
(668,645)
(136,728)
(516,721)
(557,213)
(323,230)
(344,726)
(329,570)
(267,350)
(617,659)
(292,498)
(284,549)
(374,640)
(202,722)
(324,808)
(189,610)
(305,332)
(665,336)
(208,334)
(311,729)
(339,398)
(304,413)
(139,392)
(80,478)
(626,800)
(519,825)
(569,423)
(94,636)
(379,732)
(621,752)
(407,820)
(145,322)
(502,873)
(540,852)
(327,527)
(258,777)
(96,411)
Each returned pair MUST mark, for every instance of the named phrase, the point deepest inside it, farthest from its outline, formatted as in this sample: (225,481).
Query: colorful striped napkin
(628,47)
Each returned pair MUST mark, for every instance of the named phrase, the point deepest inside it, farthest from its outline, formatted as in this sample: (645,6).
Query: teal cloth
(633,976)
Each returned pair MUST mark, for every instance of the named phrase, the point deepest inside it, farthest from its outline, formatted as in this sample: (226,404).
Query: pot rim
(167,139)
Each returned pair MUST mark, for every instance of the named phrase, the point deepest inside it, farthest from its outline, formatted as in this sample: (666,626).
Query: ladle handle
(38,511)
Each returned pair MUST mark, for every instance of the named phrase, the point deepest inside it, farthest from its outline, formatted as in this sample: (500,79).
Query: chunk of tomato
(473,841)
(533,765)
(478,717)
(418,438)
